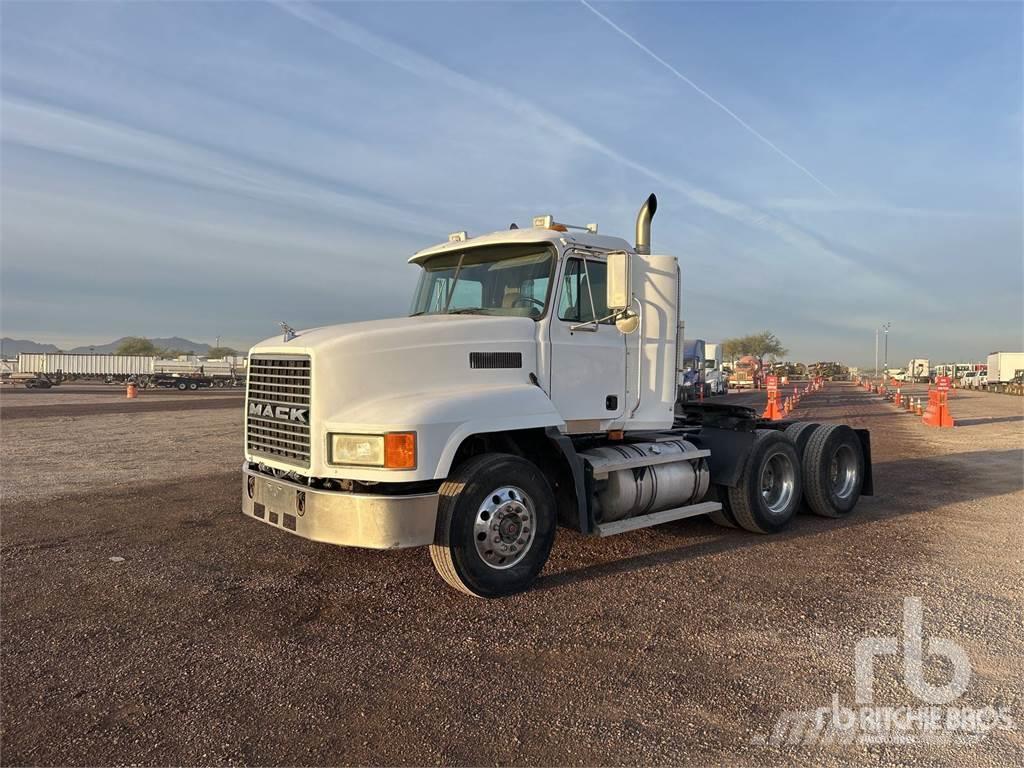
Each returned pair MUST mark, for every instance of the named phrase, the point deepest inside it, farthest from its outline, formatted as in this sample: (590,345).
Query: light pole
(876,352)
(885,359)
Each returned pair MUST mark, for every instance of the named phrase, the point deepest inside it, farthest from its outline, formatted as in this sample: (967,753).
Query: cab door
(588,358)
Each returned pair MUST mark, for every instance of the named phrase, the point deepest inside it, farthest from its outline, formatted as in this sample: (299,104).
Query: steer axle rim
(504,527)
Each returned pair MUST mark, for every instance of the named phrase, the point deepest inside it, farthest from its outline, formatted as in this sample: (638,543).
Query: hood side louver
(495,359)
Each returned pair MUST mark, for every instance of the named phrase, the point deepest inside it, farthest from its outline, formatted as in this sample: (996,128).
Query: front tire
(495,526)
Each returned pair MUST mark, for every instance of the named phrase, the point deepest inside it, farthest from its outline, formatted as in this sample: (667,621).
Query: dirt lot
(219,640)
(85,400)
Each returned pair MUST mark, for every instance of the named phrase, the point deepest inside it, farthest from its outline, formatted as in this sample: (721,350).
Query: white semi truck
(532,385)
(714,377)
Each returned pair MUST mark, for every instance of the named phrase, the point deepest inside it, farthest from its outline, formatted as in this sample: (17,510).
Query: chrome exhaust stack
(643,224)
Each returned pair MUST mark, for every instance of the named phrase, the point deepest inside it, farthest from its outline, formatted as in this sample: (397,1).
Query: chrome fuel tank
(646,489)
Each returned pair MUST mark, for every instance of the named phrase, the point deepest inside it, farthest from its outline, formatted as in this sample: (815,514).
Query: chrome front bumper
(336,517)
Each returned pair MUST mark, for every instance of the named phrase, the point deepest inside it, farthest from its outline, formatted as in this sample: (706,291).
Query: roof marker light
(458,237)
(548,222)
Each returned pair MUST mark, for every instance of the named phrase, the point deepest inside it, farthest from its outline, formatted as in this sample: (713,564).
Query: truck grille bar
(277,401)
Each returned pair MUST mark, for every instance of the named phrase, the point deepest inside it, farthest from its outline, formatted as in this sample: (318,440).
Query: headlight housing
(392,450)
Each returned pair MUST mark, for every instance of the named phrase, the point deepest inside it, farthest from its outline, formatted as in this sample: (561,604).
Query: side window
(574,302)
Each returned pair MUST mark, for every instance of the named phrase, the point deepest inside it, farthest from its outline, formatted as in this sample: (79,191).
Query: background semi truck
(691,374)
(714,377)
(532,386)
(746,373)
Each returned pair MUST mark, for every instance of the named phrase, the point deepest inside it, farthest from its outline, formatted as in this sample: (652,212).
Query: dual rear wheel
(809,467)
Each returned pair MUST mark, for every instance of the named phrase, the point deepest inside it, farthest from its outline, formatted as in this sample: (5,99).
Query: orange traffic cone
(772,412)
(937,413)
(131,391)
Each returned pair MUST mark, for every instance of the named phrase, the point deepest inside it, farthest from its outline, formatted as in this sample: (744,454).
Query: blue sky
(204,169)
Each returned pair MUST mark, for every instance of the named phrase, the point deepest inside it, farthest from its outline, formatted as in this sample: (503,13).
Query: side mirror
(618,290)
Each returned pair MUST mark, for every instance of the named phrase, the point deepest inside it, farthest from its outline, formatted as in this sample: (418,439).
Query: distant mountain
(13,347)
(175,342)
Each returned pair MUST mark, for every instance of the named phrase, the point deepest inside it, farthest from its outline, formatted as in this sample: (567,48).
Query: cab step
(655,518)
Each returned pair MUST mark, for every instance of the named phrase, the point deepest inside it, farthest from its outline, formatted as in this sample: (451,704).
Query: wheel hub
(504,527)
(842,472)
(778,483)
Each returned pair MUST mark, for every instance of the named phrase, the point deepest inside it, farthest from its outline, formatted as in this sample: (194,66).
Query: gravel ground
(57,457)
(217,640)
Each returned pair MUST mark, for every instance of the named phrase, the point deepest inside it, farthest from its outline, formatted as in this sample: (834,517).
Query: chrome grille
(277,390)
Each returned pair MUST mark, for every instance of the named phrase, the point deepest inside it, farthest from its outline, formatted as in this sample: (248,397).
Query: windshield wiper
(416,314)
(465,310)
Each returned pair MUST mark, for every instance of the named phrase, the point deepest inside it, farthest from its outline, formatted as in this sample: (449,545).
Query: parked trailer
(183,382)
(917,369)
(1004,367)
(218,372)
(85,365)
(540,393)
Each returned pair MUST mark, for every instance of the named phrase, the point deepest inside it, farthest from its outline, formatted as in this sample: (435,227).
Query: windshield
(509,280)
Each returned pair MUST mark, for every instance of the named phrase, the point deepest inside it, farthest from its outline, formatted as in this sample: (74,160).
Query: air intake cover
(495,359)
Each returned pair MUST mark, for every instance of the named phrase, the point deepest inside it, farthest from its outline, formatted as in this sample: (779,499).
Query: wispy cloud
(423,67)
(75,134)
(844,206)
(746,126)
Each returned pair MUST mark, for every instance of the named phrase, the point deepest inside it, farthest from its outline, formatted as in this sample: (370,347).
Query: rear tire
(770,485)
(182,386)
(495,526)
(800,433)
(833,466)
(193,385)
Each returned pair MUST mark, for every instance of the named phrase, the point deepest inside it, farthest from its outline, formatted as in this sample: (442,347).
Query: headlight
(362,450)
(394,450)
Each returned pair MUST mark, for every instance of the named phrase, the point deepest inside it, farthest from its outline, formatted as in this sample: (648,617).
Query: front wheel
(495,525)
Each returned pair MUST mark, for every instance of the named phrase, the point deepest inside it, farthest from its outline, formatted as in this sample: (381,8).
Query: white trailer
(917,369)
(59,363)
(1003,366)
(533,385)
(199,367)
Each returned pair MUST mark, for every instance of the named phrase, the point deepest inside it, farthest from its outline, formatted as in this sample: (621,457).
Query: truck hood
(358,367)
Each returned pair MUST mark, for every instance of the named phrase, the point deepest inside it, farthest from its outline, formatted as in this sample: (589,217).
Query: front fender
(442,420)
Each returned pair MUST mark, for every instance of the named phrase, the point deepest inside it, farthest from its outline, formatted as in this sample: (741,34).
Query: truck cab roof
(579,239)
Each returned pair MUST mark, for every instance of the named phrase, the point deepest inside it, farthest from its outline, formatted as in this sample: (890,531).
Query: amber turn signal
(400,450)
